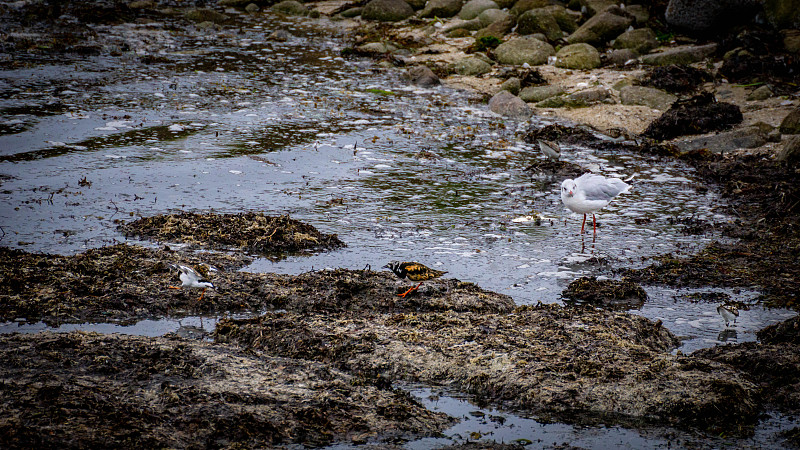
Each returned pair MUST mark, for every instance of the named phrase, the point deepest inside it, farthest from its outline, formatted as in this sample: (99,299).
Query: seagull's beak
(571,193)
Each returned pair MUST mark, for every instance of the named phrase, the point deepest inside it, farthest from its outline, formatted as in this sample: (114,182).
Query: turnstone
(414,271)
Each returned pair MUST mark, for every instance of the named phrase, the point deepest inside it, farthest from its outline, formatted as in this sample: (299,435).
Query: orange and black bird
(414,271)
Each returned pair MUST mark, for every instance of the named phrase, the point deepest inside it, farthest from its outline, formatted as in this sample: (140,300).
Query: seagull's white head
(568,188)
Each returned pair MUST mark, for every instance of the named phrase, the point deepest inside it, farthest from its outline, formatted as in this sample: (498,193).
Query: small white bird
(589,193)
(728,312)
(191,279)
(550,149)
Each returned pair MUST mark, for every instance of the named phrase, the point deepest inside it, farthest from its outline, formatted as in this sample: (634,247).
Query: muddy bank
(129,283)
(565,364)
(255,233)
(84,390)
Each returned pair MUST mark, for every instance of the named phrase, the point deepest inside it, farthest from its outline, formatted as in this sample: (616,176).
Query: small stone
(682,55)
(791,123)
(205,15)
(512,85)
(290,8)
(622,57)
(790,153)
(471,66)
(524,50)
(645,96)
(441,8)
(252,8)
(578,56)
(507,104)
(423,76)
(536,94)
(761,93)
(641,40)
(473,8)
(387,10)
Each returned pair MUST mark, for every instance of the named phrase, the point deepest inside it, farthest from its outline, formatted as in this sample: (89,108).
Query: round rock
(524,50)
(578,56)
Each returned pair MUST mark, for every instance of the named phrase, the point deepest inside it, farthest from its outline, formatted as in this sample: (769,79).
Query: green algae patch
(256,233)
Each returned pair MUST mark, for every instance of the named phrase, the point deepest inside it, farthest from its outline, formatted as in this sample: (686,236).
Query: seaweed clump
(607,293)
(116,391)
(697,115)
(252,232)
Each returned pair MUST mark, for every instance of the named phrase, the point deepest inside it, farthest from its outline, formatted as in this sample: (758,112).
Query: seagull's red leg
(583,224)
(201,295)
(174,287)
(410,290)
(594,224)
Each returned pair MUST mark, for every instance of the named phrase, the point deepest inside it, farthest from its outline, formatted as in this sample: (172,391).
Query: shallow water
(242,123)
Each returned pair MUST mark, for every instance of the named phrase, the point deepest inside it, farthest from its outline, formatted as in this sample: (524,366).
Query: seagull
(728,312)
(550,149)
(191,279)
(589,193)
(414,271)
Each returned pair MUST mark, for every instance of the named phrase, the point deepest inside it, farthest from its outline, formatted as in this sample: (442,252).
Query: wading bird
(191,279)
(414,271)
(589,193)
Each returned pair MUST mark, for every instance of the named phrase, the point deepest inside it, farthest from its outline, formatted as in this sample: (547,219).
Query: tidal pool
(244,123)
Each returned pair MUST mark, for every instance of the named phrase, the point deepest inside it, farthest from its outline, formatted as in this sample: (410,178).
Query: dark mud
(765,198)
(84,390)
(619,294)
(255,233)
(567,364)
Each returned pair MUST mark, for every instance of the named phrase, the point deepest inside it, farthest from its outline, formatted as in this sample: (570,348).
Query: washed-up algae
(607,293)
(256,233)
(568,364)
(86,390)
(128,283)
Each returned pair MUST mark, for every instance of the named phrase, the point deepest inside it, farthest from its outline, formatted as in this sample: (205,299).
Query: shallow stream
(237,122)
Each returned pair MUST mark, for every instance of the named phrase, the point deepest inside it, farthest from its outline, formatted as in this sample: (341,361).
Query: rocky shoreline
(318,366)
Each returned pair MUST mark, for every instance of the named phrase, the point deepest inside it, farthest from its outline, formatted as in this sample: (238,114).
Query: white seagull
(550,149)
(191,279)
(589,193)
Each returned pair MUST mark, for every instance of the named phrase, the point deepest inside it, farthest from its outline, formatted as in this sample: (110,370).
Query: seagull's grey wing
(598,187)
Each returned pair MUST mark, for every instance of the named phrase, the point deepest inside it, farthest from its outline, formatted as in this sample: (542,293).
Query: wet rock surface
(133,392)
(697,115)
(252,232)
(573,364)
